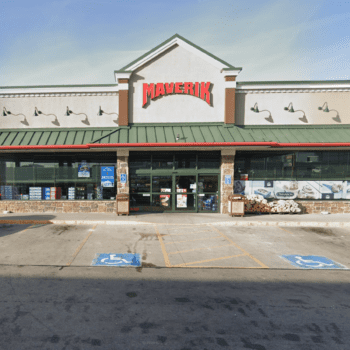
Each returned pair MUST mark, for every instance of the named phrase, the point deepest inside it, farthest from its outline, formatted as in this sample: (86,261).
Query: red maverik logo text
(200,90)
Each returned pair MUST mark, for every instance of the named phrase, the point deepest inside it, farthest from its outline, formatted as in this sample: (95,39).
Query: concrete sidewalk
(319,220)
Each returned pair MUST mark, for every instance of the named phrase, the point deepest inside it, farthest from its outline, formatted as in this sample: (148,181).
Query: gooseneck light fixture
(291,110)
(85,121)
(255,109)
(37,113)
(101,112)
(325,108)
(5,113)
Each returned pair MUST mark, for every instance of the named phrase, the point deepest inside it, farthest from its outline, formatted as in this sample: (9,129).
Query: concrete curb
(285,223)
(91,222)
(223,223)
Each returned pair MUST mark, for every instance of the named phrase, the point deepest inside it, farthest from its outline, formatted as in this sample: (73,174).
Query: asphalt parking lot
(174,245)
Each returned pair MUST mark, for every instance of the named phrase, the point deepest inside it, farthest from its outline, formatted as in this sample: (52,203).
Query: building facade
(178,132)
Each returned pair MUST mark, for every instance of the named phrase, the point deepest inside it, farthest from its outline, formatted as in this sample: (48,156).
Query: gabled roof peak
(177,39)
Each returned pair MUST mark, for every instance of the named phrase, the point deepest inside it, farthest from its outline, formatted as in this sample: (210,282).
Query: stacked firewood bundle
(257,203)
(284,206)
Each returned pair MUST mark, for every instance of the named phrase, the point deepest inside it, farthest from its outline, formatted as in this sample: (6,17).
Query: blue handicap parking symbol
(117,260)
(312,262)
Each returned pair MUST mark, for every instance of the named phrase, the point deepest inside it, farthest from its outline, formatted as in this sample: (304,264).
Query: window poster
(286,189)
(164,200)
(83,169)
(263,188)
(346,190)
(181,200)
(107,176)
(333,189)
(165,190)
(272,189)
(309,190)
(242,187)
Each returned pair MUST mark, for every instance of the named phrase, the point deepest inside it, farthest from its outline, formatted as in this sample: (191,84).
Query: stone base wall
(58,206)
(333,207)
(308,207)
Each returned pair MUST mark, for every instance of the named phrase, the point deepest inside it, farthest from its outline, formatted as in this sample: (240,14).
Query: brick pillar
(227,168)
(123,168)
(123,102)
(230,99)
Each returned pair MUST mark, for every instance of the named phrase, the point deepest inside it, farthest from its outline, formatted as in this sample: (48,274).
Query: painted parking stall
(119,260)
(313,262)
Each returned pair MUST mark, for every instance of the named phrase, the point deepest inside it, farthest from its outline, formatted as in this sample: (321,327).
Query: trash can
(236,204)
(122,201)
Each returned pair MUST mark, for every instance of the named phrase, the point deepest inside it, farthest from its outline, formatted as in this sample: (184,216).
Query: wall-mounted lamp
(255,109)
(325,108)
(5,113)
(85,121)
(291,110)
(101,112)
(37,113)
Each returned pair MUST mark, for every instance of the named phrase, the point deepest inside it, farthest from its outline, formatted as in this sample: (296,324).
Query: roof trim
(295,126)
(10,90)
(181,41)
(277,82)
(277,85)
(271,144)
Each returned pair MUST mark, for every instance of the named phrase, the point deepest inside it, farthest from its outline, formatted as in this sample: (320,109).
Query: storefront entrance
(175,183)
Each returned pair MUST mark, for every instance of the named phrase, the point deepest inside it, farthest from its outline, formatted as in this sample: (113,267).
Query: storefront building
(178,133)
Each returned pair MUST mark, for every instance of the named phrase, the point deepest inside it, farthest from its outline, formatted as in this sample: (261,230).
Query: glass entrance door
(185,193)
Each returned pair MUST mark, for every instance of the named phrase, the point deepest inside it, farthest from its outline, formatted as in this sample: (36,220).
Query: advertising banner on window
(107,176)
(83,169)
(272,189)
(333,189)
(181,200)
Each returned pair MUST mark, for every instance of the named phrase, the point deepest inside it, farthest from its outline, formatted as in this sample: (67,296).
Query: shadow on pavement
(150,312)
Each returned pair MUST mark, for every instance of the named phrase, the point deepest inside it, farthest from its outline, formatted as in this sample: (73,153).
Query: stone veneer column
(227,168)
(122,168)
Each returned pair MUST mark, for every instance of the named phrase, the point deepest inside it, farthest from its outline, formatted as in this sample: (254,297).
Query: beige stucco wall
(305,101)
(57,105)
(176,65)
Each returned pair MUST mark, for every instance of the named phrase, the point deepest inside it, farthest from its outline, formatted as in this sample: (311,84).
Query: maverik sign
(200,90)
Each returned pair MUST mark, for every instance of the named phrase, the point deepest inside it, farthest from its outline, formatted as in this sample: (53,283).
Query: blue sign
(107,176)
(123,178)
(227,179)
(83,170)
(312,262)
(117,260)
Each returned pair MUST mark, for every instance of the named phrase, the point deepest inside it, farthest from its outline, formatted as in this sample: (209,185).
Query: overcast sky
(84,41)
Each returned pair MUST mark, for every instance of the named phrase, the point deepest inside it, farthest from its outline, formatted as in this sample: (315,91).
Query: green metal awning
(51,136)
(218,132)
(175,133)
